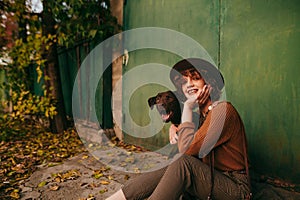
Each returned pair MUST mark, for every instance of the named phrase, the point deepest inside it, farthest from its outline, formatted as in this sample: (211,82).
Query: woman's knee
(188,165)
(181,165)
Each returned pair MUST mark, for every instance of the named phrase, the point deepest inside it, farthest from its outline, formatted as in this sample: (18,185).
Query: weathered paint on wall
(70,60)
(260,43)
(175,15)
(256,44)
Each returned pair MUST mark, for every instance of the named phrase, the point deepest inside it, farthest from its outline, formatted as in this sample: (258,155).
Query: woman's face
(191,82)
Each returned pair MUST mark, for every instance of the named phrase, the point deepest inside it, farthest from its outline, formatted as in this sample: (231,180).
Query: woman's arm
(197,99)
(214,131)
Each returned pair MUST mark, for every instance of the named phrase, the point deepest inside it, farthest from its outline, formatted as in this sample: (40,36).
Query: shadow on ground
(84,177)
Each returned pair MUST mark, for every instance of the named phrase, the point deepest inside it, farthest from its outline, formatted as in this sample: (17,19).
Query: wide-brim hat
(206,69)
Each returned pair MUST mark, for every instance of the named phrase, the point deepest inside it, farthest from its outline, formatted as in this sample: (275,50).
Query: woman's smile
(192,91)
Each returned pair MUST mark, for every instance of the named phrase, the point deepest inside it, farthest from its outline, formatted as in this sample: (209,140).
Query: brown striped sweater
(222,130)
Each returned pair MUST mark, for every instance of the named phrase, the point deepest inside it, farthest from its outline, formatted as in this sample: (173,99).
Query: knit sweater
(223,131)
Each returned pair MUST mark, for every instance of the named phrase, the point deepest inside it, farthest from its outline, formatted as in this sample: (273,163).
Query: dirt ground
(84,177)
(98,173)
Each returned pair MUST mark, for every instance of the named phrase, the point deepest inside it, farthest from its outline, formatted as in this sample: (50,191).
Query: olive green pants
(186,178)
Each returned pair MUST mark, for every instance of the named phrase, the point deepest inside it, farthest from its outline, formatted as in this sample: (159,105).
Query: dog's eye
(169,98)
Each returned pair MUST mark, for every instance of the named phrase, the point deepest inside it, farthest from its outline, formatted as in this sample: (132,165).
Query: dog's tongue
(165,117)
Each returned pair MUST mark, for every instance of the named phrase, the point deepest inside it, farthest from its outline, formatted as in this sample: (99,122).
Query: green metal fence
(69,63)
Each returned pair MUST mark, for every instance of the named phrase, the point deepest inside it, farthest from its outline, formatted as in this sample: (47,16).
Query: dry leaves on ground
(19,157)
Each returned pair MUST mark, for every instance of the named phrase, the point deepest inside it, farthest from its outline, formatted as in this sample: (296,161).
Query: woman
(213,157)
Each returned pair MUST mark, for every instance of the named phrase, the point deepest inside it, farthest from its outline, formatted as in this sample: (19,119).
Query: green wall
(256,46)
(70,61)
(260,45)
(165,14)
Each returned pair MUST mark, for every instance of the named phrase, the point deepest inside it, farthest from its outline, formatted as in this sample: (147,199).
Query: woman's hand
(199,98)
(204,95)
(173,137)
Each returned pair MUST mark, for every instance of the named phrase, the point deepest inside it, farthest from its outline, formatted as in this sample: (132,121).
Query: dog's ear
(152,102)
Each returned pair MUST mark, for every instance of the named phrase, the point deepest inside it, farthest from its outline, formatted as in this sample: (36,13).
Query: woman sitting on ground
(212,162)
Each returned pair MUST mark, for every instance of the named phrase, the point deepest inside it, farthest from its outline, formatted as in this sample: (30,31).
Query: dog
(169,109)
(168,106)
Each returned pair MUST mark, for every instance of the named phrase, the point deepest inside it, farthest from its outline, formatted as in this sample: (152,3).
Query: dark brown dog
(168,106)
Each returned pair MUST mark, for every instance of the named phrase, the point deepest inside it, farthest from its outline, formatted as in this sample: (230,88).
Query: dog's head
(167,105)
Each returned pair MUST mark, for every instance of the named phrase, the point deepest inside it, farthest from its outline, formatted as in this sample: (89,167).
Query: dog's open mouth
(166,117)
(165,114)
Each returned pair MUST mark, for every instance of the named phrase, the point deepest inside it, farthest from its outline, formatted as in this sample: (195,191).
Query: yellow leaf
(90,145)
(14,195)
(54,187)
(42,184)
(58,179)
(46,113)
(130,160)
(40,152)
(104,182)
(98,175)
(103,190)
(137,170)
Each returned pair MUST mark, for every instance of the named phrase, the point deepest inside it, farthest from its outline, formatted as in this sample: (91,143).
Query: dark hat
(207,70)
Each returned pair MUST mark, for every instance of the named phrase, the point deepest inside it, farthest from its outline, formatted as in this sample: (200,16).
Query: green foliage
(75,20)
(82,20)
(21,102)
(26,107)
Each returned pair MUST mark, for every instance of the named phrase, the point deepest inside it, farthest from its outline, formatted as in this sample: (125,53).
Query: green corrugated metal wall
(260,44)
(256,44)
(69,63)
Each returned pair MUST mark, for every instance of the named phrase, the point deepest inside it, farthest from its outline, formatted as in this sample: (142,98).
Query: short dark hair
(211,75)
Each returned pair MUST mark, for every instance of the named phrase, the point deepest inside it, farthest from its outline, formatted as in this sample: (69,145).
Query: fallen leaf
(130,160)
(126,177)
(103,190)
(58,179)
(83,184)
(90,197)
(103,182)
(54,187)
(14,195)
(97,176)
(42,184)
(53,164)
(136,170)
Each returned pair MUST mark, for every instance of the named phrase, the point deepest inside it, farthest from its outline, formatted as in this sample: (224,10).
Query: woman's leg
(119,195)
(189,174)
(142,186)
